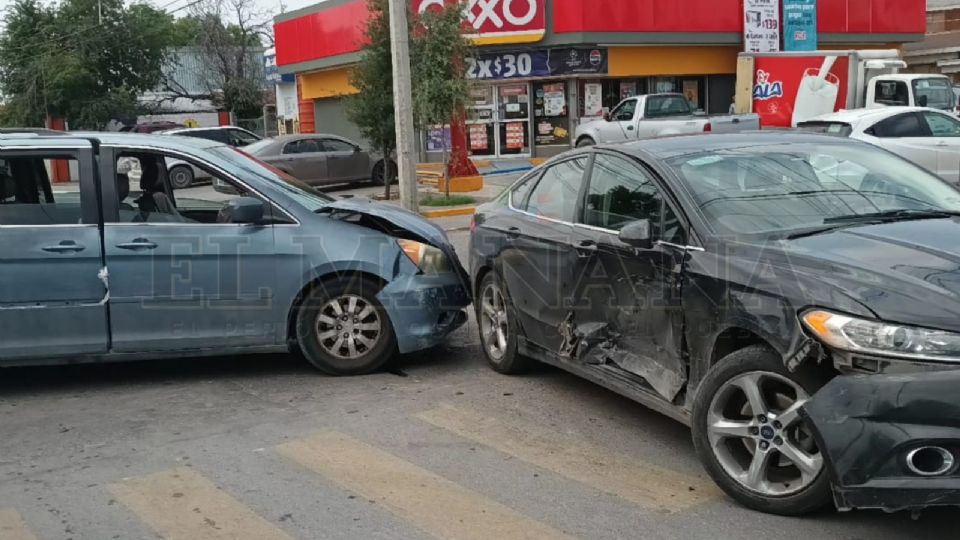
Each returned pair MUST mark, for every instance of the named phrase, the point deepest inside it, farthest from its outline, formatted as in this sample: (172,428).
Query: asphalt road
(265,448)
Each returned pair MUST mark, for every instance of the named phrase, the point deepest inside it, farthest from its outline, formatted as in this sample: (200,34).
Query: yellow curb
(537,160)
(462,184)
(449,212)
(481,163)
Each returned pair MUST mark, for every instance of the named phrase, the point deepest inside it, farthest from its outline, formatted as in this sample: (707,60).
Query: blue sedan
(111,268)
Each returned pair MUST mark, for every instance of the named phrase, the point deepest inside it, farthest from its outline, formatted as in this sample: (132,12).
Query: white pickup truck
(658,115)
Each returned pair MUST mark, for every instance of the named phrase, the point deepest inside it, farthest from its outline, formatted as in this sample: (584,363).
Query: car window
(555,195)
(336,145)
(840,129)
(621,192)
(307,146)
(625,111)
(519,192)
(27,196)
(934,92)
(891,93)
(239,137)
(667,106)
(901,125)
(208,134)
(942,125)
(292,147)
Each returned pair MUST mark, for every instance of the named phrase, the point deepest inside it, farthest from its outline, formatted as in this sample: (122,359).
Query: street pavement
(439,446)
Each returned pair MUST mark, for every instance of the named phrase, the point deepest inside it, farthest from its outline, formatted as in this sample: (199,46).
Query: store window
(551,119)
(601,96)
(480,124)
(514,127)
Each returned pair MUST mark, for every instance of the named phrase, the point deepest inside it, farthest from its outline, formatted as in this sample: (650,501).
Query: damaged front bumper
(890,442)
(424,309)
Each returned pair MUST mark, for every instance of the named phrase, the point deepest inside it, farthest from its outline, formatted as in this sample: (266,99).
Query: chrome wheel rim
(348,327)
(758,437)
(180,178)
(493,321)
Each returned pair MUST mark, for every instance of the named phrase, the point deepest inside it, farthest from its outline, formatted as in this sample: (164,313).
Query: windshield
(254,148)
(937,91)
(840,129)
(775,191)
(308,197)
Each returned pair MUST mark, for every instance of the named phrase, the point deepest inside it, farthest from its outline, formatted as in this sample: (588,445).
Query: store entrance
(498,121)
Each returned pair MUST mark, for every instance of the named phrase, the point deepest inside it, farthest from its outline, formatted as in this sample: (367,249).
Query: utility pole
(403,105)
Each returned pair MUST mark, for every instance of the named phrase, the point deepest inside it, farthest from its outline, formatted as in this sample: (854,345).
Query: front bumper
(424,309)
(866,425)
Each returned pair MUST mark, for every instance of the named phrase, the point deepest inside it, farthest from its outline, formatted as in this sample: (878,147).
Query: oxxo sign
(499,21)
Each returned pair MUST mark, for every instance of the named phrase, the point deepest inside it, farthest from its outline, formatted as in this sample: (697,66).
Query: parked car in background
(928,137)
(151,127)
(181,173)
(657,115)
(723,280)
(109,272)
(320,159)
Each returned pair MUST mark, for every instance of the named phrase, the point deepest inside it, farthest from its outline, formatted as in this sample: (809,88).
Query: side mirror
(356,149)
(637,234)
(606,116)
(241,210)
(921,101)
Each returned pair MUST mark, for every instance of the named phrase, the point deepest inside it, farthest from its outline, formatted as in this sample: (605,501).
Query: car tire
(342,329)
(181,176)
(584,142)
(379,170)
(727,448)
(496,314)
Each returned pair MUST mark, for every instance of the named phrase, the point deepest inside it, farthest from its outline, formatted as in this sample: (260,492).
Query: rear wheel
(343,329)
(749,434)
(499,330)
(181,176)
(378,176)
(585,141)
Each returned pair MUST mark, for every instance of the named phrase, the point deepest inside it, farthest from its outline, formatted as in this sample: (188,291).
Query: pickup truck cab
(658,115)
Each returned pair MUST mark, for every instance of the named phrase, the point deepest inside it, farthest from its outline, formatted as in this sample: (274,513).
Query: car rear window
(840,129)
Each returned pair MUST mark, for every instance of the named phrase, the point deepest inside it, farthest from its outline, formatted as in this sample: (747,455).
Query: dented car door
(629,314)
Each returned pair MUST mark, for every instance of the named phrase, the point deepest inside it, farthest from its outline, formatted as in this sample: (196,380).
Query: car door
(52,284)
(305,160)
(906,135)
(180,277)
(629,314)
(622,124)
(539,264)
(945,130)
(346,162)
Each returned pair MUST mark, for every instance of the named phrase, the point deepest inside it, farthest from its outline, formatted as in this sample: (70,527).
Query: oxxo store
(544,66)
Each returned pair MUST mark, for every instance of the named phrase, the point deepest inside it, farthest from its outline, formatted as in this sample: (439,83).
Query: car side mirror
(606,117)
(921,101)
(241,210)
(356,149)
(637,234)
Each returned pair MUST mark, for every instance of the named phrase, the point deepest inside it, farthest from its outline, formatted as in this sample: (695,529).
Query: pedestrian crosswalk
(184,503)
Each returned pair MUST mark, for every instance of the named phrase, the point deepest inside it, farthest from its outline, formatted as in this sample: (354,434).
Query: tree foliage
(66,60)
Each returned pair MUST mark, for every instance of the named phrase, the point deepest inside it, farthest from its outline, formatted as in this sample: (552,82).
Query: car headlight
(876,337)
(427,258)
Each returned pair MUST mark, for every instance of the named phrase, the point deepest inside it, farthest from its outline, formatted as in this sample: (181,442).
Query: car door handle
(138,244)
(941,143)
(66,246)
(586,248)
(629,128)
(513,233)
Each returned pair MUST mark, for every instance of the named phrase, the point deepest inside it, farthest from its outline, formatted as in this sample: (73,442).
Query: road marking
(181,504)
(644,484)
(13,527)
(428,501)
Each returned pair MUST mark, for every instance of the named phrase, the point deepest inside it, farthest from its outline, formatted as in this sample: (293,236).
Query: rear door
(52,285)
(346,162)
(305,160)
(908,136)
(945,130)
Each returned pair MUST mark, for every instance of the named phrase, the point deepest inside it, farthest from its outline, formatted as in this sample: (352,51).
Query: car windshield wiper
(892,215)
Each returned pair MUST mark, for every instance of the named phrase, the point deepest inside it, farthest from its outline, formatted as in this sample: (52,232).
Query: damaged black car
(781,293)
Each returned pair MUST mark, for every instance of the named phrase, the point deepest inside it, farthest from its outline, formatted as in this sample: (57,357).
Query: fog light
(930,461)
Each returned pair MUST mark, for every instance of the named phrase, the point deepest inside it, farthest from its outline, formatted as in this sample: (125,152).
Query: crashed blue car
(109,267)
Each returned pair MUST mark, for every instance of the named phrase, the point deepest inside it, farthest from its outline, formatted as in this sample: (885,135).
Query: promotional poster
(761,26)
(791,89)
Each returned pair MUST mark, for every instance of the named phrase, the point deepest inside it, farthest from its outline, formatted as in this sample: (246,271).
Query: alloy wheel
(348,327)
(758,437)
(494,327)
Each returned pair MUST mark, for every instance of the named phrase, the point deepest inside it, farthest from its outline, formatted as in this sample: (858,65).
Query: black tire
(816,495)
(379,171)
(308,334)
(584,142)
(511,361)
(181,176)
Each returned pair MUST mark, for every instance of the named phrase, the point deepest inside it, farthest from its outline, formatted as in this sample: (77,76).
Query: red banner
(791,89)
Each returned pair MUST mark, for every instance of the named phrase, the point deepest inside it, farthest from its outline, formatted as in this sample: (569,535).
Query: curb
(499,172)
(448,212)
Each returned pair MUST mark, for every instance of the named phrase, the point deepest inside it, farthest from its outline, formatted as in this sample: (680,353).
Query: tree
(440,87)
(371,108)
(84,60)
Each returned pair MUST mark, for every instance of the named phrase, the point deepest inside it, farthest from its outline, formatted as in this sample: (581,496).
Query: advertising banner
(438,139)
(761,26)
(478,137)
(498,21)
(515,136)
(536,63)
(592,99)
(791,89)
(799,25)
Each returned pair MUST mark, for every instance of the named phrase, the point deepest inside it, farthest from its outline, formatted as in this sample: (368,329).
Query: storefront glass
(514,128)
(480,121)
(551,115)
(602,95)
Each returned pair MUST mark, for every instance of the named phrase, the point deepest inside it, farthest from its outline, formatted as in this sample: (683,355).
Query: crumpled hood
(907,272)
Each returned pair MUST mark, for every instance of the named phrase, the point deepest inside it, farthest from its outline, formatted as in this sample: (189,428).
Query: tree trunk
(446,168)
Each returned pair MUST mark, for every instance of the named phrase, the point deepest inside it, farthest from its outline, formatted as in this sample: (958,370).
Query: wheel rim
(379,174)
(180,178)
(493,321)
(757,435)
(348,327)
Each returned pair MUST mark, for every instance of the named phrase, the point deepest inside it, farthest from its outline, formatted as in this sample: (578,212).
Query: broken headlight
(876,337)
(427,258)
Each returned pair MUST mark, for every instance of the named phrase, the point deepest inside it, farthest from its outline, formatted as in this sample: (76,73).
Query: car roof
(112,138)
(852,116)
(175,131)
(668,147)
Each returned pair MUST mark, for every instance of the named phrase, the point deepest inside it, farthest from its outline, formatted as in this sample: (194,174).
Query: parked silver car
(181,173)
(320,159)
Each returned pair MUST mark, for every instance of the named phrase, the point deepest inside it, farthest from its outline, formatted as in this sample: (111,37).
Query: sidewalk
(497,175)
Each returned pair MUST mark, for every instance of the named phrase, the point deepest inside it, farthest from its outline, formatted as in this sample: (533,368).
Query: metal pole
(403,106)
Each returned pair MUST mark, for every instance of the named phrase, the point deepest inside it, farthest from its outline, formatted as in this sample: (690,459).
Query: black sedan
(723,280)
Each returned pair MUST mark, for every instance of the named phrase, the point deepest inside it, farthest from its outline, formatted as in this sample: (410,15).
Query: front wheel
(181,176)
(750,437)
(379,174)
(585,141)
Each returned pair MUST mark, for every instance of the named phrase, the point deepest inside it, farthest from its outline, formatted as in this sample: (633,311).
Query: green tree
(440,87)
(84,60)
(371,108)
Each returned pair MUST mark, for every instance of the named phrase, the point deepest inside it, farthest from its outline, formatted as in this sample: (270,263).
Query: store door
(481,113)
(513,129)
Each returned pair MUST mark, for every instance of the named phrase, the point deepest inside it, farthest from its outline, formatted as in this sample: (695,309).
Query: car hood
(907,272)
